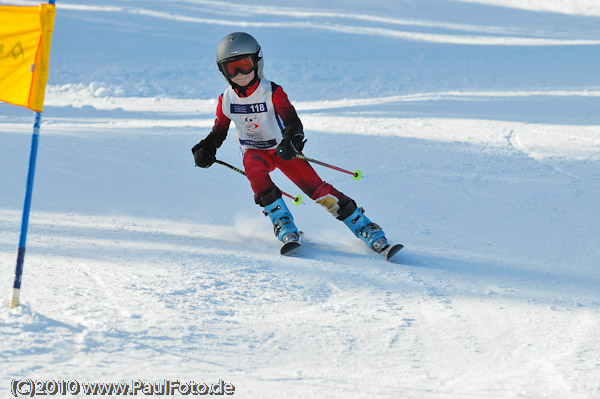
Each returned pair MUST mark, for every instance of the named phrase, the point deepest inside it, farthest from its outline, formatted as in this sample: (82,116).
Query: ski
(289,246)
(391,250)
(385,249)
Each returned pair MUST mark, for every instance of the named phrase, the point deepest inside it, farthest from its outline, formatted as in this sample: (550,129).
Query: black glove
(204,154)
(290,147)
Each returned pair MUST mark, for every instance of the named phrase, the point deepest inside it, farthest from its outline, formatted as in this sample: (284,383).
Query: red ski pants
(259,163)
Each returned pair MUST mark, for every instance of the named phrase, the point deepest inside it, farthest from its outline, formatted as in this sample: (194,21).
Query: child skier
(270,135)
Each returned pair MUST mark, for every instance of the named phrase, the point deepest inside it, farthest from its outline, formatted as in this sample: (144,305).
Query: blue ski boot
(283,222)
(366,230)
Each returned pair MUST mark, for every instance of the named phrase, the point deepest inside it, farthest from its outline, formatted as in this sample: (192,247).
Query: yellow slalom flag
(25,38)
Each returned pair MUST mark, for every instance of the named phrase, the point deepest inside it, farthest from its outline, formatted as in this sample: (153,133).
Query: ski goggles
(243,65)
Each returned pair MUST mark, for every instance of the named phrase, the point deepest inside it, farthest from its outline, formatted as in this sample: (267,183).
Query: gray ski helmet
(240,43)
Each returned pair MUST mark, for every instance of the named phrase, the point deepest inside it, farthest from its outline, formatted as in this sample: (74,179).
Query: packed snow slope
(475,124)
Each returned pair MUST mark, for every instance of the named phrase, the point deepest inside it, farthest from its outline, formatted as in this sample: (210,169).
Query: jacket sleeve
(287,113)
(218,134)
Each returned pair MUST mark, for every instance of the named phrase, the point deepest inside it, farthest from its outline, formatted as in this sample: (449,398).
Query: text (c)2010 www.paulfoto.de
(30,387)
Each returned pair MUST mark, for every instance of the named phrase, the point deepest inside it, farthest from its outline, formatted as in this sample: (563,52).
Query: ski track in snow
(581,7)
(538,141)
(312,20)
(124,283)
(482,156)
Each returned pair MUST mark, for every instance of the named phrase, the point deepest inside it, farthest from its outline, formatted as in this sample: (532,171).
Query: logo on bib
(252,127)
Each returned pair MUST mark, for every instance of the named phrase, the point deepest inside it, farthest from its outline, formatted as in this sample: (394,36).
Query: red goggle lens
(243,65)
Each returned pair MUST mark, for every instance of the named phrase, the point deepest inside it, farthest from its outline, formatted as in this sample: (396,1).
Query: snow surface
(475,126)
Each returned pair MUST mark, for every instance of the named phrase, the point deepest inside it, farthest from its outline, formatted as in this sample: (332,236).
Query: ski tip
(393,250)
(289,248)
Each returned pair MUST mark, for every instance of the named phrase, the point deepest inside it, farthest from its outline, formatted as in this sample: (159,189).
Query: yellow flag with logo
(25,38)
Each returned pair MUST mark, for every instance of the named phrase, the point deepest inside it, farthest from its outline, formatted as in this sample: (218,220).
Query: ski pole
(357,174)
(297,199)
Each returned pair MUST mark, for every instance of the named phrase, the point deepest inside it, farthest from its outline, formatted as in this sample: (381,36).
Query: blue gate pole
(16,291)
(14,299)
